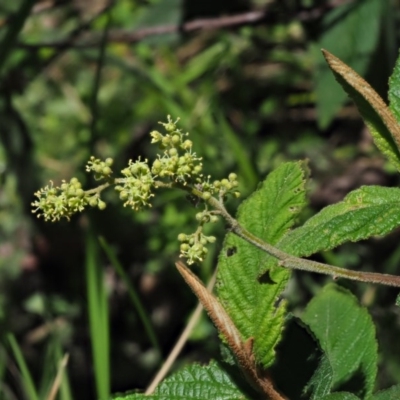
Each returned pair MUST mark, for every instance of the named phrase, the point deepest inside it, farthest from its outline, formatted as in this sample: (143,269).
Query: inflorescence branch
(176,166)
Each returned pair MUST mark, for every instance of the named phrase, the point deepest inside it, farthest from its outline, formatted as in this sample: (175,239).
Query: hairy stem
(289,261)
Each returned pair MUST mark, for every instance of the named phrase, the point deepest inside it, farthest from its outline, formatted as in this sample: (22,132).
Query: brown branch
(243,351)
(124,36)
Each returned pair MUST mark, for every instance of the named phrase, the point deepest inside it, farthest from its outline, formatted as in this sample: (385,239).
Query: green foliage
(375,113)
(346,334)
(78,81)
(195,382)
(365,212)
(268,213)
(394,91)
(351,32)
(98,318)
(392,393)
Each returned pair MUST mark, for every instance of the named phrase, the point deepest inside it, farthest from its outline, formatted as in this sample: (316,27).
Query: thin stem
(289,261)
(180,343)
(285,260)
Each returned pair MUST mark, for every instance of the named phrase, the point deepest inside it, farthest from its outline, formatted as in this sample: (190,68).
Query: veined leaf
(394,91)
(346,333)
(377,116)
(321,382)
(351,32)
(392,393)
(268,214)
(365,212)
(194,382)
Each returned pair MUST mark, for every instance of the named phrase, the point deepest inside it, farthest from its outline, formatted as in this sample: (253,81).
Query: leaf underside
(346,334)
(380,121)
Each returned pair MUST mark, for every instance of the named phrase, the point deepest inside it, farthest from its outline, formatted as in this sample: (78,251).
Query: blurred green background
(247,79)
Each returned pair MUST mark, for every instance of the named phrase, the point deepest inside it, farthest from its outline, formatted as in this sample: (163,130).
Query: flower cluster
(101,169)
(56,202)
(193,247)
(177,162)
(136,186)
(177,165)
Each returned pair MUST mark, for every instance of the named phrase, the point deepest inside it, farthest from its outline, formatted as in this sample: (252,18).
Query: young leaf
(365,212)
(392,393)
(377,116)
(251,304)
(194,382)
(351,31)
(346,333)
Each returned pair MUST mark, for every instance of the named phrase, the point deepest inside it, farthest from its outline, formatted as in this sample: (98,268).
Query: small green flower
(193,247)
(135,188)
(55,202)
(101,169)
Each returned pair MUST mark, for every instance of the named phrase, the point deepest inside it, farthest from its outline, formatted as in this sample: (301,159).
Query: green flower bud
(187,144)
(93,202)
(206,195)
(172,152)
(211,239)
(182,237)
(225,182)
(213,219)
(102,205)
(123,195)
(184,247)
(109,161)
(232,176)
(106,170)
(199,216)
(197,169)
(166,141)
(175,139)
(157,164)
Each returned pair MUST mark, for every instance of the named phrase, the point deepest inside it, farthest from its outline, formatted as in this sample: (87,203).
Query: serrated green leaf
(268,214)
(351,32)
(321,382)
(365,212)
(340,396)
(380,121)
(392,393)
(394,91)
(346,333)
(195,382)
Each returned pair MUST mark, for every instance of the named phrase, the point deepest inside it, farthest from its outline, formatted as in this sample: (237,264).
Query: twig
(289,261)
(124,36)
(180,343)
(57,381)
